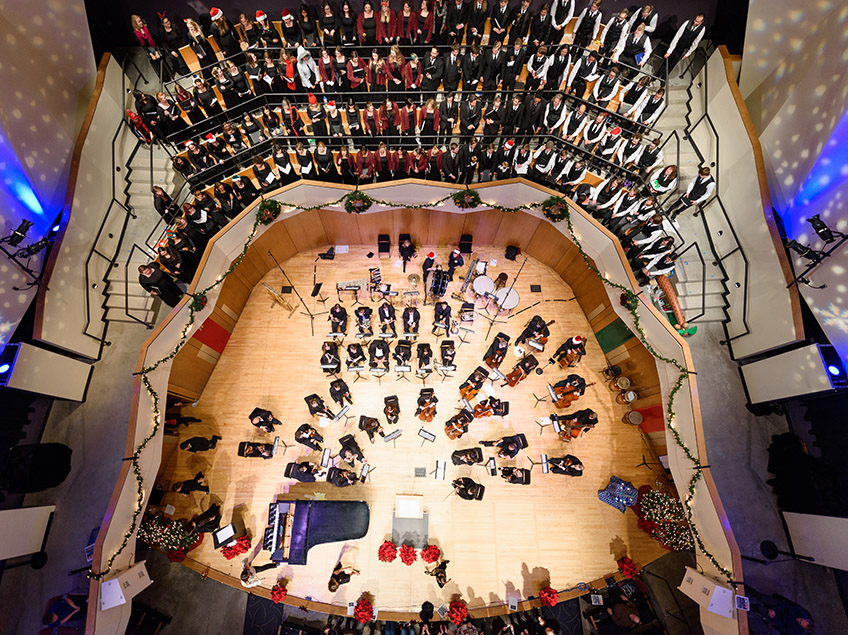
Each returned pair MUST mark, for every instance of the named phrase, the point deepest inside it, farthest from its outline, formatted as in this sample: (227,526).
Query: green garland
(272,207)
(555,209)
(198,302)
(357,202)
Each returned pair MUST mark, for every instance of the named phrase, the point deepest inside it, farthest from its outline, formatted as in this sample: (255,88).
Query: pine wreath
(268,211)
(466,199)
(555,208)
(198,301)
(357,202)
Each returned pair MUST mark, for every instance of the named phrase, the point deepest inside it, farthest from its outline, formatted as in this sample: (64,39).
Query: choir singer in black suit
(411,319)
(263,419)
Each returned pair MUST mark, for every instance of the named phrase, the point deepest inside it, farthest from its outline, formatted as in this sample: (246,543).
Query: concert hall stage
(506,545)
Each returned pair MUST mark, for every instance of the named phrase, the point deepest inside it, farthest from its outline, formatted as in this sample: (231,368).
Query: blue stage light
(4,368)
(834,370)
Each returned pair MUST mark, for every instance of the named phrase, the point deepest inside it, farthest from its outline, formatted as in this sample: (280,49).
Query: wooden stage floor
(506,545)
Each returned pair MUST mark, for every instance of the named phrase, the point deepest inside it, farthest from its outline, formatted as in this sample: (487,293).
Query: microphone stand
(308,312)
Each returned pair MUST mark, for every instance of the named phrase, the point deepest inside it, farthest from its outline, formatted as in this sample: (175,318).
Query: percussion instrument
(500,281)
(626,397)
(611,372)
(506,299)
(413,279)
(483,286)
(619,384)
(633,418)
(439,283)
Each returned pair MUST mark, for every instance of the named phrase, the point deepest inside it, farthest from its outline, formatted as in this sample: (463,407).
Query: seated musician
(457,425)
(448,353)
(470,456)
(535,330)
(386,314)
(350,451)
(427,401)
(466,488)
(491,407)
(575,384)
(355,355)
(391,410)
(509,446)
(568,465)
(308,436)
(338,319)
(263,419)
(441,316)
(340,392)
(411,319)
(371,427)
(330,357)
(403,353)
(307,472)
(471,386)
(570,353)
(576,424)
(363,319)
(318,407)
(343,478)
(259,450)
(497,350)
(514,475)
(378,352)
(425,356)
(521,371)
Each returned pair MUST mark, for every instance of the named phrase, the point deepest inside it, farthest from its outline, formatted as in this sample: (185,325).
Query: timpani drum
(626,396)
(633,418)
(619,384)
(483,286)
(507,299)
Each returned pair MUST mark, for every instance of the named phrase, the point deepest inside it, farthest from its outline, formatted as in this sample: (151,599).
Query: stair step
(710,315)
(135,302)
(694,303)
(119,315)
(693,287)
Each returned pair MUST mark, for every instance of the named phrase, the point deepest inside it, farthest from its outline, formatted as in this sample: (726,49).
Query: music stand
(379,373)
(423,374)
(647,463)
(542,425)
(538,399)
(462,334)
(279,442)
(358,370)
(308,312)
(401,374)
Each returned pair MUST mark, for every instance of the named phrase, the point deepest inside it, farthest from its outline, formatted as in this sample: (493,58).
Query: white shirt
(695,42)
(646,47)
(597,17)
(540,66)
(559,121)
(709,191)
(650,25)
(545,167)
(608,96)
(567,168)
(555,9)
(625,31)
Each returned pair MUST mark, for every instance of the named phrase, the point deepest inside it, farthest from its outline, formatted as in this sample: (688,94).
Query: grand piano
(295,526)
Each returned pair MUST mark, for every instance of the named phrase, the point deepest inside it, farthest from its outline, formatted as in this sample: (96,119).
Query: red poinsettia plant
(457,612)
(240,546)
(387,551)
(430,554)
(408,554)
(627,567)
(363,611)
(549,596)
(176,555)
(279,592)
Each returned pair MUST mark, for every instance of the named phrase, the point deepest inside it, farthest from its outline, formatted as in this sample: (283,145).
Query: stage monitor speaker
(511,253)
(465,244)
(802,371)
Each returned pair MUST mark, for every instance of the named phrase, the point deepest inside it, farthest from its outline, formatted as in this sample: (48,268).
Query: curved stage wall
(297,231)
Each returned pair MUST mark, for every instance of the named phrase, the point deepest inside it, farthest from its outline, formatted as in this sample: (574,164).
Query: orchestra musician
(378,353)
(491,407)
(536,329)
(307,472)
(411,319)
(570,353)
(496,351)
(425,356)
(470,387)
(426,267)
(339,392)
(263,419)
(330,357)
(371,426)
(576,424)
(567,465)
(403,353)
(569,390)
(509,446)
(363,319)
(355,355)
(386,313)
(391,410)
(317,406)
(521,371)
(515,475)
(441,316)
(448,353)
(308,436)
(427,401)
(455,261)
(457,425)
(343,478)
(338,318)
(467,489)
(407,252)
(469,456)
(350,451)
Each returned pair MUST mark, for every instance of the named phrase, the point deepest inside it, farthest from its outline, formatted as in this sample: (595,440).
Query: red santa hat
(456,251)
(260,15)
(431,255)
(331,103)
(509,144)
(615,131)
(312,99)
(216,14)
(210,137)
(577,339)
(287,14)
(188,143)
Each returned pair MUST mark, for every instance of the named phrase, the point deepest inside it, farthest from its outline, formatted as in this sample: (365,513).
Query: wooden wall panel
(278,240)
(548,246)
(445,228)
(570,262)
(483,226)
(415,222)
(340,228)
(234,294)
(516,230)
(372,224)
(306,230)
(189,373)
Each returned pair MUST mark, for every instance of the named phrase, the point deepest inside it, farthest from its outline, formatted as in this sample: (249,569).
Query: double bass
(457,425)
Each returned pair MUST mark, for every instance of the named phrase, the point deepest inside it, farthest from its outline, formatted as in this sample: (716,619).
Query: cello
(426,408)
(567,396)
(457,425)
(522,369)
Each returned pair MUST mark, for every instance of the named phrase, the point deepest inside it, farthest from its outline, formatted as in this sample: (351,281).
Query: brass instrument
(279,298)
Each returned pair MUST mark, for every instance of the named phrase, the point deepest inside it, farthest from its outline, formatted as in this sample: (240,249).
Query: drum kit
(622,385)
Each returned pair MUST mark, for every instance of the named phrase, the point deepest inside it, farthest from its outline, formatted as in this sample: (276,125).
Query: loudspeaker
(511,253)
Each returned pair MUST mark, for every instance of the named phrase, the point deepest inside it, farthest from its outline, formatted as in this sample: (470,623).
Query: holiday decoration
(177,555)
(555,209)
(387,552)
(627,567)
(363,611)
(279,592)
(198,302)
(664,519)
(661,508)
(268,211)
(408,554)
(240,546)
(357,202)
(457,612)
(549,596)
(466,199)
(430,554)
(164,533)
